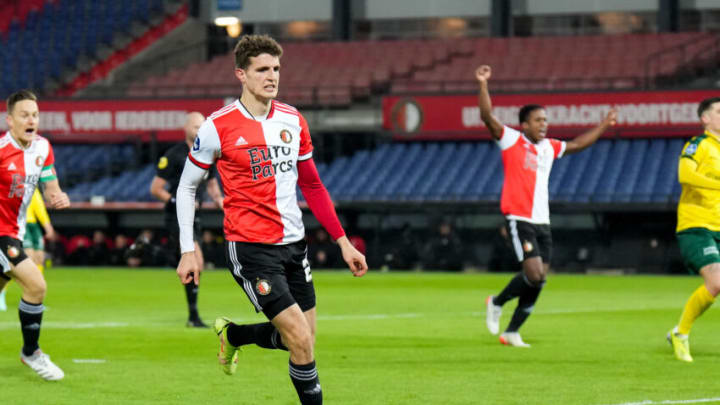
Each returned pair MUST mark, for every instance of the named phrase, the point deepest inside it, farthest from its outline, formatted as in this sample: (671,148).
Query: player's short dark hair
(526,110)
(19,96)
(705,104)
(250,46)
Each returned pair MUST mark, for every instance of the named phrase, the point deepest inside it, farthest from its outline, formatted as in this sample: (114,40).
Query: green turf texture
(386,338)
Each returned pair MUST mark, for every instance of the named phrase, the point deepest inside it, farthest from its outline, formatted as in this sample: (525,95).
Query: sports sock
(306,382)
(699,301)
(515,288)
(30,320)
(191,293)
(526,303)
(264,335)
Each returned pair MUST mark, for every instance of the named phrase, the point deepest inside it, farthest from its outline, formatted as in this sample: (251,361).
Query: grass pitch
(398,338)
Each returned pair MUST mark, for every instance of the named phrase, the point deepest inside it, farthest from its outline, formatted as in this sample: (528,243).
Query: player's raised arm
(588,138)
(482,74)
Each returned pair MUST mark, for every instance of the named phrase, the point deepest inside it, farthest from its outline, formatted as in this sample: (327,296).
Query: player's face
(262,76)
(711,118)
(24,120)
(536,125)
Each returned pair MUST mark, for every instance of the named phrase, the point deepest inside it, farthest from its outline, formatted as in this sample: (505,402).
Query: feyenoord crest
(39,161)
(263,287)
(286,136)
(13,252)
(527,247)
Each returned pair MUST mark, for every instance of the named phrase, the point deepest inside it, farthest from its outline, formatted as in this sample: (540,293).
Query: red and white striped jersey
(257,162)
(20,171)
(527,168)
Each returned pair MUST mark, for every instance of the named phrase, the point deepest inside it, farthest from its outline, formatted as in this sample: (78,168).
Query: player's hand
(354,259)
(611,117)
(59,201)
(483,73)
(188,269)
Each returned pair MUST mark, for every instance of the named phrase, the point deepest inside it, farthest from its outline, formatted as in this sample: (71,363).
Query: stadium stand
(459,172)
(73,42)
(337,74)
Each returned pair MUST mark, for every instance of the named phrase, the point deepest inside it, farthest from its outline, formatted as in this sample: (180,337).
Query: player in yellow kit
(37,220)
(698,229)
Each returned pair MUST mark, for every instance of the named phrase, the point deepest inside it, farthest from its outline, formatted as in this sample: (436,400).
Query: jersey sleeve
(206,148)
(693,149)
(508,138)
(306,147)
(165,169)
(48,170)
(558,148)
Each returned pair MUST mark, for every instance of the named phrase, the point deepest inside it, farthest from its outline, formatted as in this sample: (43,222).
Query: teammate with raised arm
(527,160)
(26,159)
(262,149)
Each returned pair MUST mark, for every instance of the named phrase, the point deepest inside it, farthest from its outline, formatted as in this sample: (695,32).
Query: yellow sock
(699,301)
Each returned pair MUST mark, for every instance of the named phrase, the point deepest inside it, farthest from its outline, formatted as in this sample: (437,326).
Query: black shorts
(11,251)
(530,240)
(274,277)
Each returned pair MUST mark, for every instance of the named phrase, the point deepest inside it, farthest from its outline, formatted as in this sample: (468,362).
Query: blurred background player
(527,160)
(698,221)
(33,242)
(164,187)
(264,152)
(26,159)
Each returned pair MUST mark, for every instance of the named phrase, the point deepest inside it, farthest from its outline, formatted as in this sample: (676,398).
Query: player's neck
(256,107)
(712,133)
(22,143)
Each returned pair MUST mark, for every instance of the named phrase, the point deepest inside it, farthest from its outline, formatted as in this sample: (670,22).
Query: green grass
(383,339)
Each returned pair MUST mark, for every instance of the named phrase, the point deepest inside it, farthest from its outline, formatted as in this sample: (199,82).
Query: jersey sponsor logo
(259,158)
(263,287)
(17,187)
(39,161)
(285,136)
(12,166)
(163,163)
(691,149)
(710,250)
(196,144)
(241,141)
(13,252)
(531,161)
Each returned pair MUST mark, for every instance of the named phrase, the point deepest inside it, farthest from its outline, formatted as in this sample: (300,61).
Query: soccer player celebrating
(527,159)
(698,224)
(263,151)
(169,169)
(26,159)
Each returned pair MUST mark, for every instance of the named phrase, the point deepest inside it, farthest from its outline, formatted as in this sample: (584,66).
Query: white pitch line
(680,401)
(68,325)
(89,361)
(346,317)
